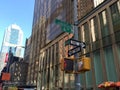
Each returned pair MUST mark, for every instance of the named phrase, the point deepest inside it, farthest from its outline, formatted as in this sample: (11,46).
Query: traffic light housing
(67,64)
(84,64)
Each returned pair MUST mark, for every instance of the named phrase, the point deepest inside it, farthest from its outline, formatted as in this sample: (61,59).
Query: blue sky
(18,12)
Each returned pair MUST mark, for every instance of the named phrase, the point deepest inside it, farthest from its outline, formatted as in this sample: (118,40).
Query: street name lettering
(66,27)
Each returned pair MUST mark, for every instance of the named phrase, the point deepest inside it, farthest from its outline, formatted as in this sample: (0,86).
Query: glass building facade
(99,29)
(12,38)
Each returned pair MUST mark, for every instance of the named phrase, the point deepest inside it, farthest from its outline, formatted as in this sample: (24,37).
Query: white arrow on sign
(74,51)
(77,43)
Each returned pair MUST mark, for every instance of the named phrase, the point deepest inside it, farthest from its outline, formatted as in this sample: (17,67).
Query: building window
(98,67)
(85,36)
(97,2)
(118,51)
(110,65)
(115,12)
(89,80)
(107,41)
(104,24)
(94,31)
(117,36)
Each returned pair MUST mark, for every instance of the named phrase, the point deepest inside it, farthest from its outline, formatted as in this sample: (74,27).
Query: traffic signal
(84,64)
(67,64)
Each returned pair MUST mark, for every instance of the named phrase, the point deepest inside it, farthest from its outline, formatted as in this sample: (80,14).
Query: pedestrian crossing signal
(84,64)
(67,64)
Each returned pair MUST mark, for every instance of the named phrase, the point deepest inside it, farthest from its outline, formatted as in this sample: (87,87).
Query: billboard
(6,76)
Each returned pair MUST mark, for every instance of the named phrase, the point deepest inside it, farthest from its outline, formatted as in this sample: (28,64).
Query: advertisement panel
(6,76)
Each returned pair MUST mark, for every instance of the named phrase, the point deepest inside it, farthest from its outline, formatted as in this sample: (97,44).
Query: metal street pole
(77,76)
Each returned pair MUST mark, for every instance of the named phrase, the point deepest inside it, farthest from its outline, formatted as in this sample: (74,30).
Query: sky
(18,12)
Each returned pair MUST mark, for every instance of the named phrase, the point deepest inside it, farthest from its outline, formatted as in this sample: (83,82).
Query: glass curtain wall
(94,33)
(115,13)
(84,37)
(104,24)
(102,46)
(118,51)
(98,67)
(110,65)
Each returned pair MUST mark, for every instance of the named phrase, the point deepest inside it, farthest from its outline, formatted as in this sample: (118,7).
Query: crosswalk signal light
(67,64)
(84,64)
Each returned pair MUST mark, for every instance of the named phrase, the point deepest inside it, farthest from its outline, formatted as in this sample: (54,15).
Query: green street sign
(62,23)
(66,27)
(67,42)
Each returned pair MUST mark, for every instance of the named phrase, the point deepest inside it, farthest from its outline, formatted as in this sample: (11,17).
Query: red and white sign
(6,58)
(6,76)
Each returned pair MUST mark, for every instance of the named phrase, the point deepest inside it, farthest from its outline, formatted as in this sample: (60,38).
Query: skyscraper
(12,39)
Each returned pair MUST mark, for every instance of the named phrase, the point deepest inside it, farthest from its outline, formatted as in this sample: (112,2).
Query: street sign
(66,27)
(62,23)
(75,43)
(74,51)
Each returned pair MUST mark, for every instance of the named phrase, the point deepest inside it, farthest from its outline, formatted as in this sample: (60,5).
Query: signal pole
(77,76)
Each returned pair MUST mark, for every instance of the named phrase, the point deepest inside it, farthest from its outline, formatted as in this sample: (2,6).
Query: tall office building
(99,29)
(44,32)
(12,39)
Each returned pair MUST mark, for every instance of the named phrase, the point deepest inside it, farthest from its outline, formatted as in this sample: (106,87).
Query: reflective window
(103,24)
(82,81)
(110,65)
(85,36)
(94,33)
(85,33)
(94,29)
(115,13)
(107,40)
(118,51)
(98,67)
(89,79)
(97,2)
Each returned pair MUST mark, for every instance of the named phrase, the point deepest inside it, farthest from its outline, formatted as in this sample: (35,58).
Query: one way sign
(75,43)
(74,51)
